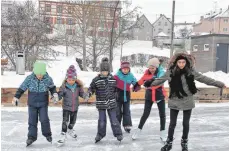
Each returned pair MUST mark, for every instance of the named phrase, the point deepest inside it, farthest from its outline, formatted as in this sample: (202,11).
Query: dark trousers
(42,113)
(123,113)
(66,116)
(147,110)
(173,122)
(102,123)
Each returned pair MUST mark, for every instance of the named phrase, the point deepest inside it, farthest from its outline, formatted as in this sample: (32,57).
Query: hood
(190,59)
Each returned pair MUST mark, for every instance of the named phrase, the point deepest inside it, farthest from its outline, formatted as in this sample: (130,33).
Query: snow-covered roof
(223,14)
(162,34)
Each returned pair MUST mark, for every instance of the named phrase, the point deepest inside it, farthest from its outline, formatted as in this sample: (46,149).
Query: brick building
(71,14)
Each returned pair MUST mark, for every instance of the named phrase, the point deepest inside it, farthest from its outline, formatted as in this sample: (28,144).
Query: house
(144,32)
(99,15)
(214,22)
(211,52)
(162,24)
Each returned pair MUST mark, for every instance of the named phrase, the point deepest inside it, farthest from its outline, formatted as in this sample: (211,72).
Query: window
(195,48)
(166,24)
(59,20)
(160,29)
(69,22)
(148,38)
(48,20)
(169,31)
(224,29)
(159,23)
(136,30)
(59,9)
(206,47)
(47,7)
(69,9)
(225,20)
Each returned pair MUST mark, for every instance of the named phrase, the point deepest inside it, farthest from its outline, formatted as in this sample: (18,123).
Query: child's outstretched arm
(61,92)
(51,86)
(209,81)
(20,91)
(161,80)
(92,88)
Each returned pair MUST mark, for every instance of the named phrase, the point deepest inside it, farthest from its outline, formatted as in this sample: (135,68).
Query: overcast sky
(186,10)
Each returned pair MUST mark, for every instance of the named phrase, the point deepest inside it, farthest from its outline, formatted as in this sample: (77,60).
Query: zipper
(73,101)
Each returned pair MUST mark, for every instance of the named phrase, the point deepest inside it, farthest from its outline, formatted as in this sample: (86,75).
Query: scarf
(176,87)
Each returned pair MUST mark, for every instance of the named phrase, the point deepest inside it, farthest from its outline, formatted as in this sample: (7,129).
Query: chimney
(221,10)
(137,16)
(160,15)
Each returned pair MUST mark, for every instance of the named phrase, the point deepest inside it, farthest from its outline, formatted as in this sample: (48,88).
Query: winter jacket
(105,91)
(155,92)
(123,83)
(70,95)
(185,103)
(38,94)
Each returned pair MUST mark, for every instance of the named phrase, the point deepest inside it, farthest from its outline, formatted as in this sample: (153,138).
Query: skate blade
(59,144)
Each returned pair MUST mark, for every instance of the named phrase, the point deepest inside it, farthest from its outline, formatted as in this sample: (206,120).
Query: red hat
(125,64)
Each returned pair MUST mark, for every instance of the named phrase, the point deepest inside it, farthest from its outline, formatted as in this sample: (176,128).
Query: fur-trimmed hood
(190,58)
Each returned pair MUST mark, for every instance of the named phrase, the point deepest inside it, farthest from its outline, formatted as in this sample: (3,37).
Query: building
(162,24)
(6,6)
(211,52)
(217,23)
(72,14)
(144,32)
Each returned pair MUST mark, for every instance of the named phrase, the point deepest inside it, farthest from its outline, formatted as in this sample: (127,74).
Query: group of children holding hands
(113,96)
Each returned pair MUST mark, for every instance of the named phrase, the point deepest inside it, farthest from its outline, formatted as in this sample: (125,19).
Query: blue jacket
(38,94)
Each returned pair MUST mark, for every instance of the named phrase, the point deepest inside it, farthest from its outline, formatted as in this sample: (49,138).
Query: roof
(210,35)
(223,14)
(161,17)
(162,34)
(145,18)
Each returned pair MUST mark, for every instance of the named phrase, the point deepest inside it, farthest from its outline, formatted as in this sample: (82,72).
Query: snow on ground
(209,129)
(57,69)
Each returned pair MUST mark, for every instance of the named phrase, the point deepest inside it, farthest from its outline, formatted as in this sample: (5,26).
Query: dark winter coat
(70,97)
(38,94)
(187,102)
(105,91)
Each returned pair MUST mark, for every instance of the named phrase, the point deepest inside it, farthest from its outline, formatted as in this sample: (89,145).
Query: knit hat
(71,72)
(105,66)
(39,68)
(125,64)
(153,62)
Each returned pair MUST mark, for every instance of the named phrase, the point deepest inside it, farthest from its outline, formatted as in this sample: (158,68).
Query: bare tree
(22,30)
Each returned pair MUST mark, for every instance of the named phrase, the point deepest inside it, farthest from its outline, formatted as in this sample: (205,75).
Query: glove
(148,82)
(136,87)
(15,101)
(55,98)
(87,96)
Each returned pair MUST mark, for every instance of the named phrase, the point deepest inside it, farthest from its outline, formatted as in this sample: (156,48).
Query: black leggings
(173,122)
(146,113)
(66,115)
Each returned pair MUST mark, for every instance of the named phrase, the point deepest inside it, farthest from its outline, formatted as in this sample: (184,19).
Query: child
(70,91)
(104,87)
(124,79)
(153,94)
(181,76)
(38,85)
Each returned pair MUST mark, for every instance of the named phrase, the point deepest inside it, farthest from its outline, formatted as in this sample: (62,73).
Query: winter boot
(30,140)
(163,136)
(120,138)
(136,134)
(49,139)
(168,145)
(127,129)
(98,138)
(72,133)
(184,144)
(62,138)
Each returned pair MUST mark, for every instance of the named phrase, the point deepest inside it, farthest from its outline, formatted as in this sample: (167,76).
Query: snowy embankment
(57,69)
